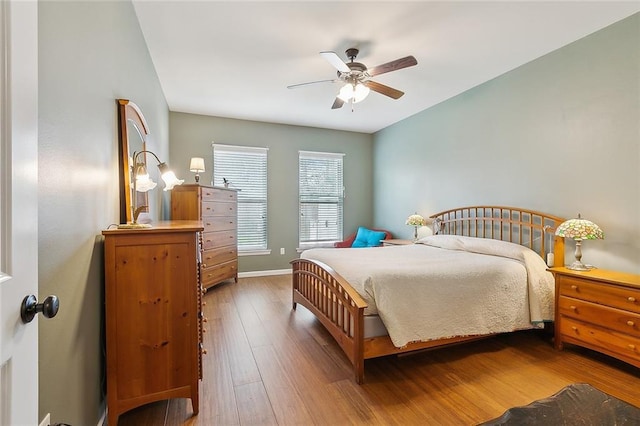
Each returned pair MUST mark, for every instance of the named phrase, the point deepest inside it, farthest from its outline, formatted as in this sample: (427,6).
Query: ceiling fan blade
(293,86)
(398,64)
(385,90)
(335,60)
(337,103)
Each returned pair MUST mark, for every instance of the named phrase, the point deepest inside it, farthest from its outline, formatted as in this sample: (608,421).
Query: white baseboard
(252,274)
(103,419)
(46,421)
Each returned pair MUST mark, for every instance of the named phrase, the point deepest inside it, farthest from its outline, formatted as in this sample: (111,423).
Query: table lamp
(579,229)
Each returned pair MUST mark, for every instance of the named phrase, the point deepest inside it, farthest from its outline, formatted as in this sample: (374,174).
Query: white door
(18,210)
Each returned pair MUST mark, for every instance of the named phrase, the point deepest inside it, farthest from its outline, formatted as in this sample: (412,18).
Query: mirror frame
(128,112)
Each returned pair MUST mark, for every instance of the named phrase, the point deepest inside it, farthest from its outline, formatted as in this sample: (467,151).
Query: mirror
(132,134)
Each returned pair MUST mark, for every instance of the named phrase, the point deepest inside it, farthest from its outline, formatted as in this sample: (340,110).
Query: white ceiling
(236,58)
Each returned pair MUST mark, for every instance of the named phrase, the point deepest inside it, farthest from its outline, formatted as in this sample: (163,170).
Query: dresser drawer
(214,257)
(607,341)
(604,294)
(218,239)
(215,208)
(219,223)
(215,194)
(220,273)
(615,319)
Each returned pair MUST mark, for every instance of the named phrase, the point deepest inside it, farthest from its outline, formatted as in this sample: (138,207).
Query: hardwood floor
(269,365)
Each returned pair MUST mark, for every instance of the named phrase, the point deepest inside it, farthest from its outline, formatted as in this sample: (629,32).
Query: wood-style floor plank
(267,364)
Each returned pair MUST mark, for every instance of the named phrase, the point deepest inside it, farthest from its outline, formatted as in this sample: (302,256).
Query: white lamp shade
(170,180)
(360,93)
(197,165)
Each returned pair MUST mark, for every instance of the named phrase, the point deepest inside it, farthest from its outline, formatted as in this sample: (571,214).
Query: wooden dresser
(153,313)
(217,209)
(599,310)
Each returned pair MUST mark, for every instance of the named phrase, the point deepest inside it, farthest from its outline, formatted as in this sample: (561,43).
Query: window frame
(339,191)
(244,200)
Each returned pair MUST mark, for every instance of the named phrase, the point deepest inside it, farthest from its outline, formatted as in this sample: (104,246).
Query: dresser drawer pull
(632,347)
(573,308)
(574,287)
(204,330)
(631,299)
(204,352)
(631,323)
(574,328)
(204,265)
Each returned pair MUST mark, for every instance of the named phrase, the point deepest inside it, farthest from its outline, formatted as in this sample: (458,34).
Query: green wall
(191,136)
(560,135)
(89,53)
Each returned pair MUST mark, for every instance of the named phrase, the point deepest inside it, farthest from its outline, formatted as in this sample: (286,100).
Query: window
(321,197)
(245,169)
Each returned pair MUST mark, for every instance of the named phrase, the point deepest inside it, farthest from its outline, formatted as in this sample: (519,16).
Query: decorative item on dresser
(599,310)
(153,315)
(217,209)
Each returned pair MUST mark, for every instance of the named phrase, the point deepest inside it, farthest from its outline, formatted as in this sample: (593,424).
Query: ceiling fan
(356,77)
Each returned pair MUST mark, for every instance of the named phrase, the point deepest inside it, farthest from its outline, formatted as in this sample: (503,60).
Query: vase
(415,233)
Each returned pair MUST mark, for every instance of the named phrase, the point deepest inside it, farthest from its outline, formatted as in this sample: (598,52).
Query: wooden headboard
(524,227)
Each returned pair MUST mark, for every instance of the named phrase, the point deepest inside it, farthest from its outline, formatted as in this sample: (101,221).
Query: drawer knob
(631,299)
(204,330)
(574,287)
(630,323)
(204,352)
(205,319)
(573,308)
(574,328)
(204,265)
(632,347)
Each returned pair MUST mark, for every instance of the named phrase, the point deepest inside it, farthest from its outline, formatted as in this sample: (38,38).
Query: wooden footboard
(335,303)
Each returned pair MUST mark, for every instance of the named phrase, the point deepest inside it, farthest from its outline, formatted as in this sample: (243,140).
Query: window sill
(254,252)
(315,245)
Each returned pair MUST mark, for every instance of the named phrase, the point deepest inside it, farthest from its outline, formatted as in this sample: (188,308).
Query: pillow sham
(368,238)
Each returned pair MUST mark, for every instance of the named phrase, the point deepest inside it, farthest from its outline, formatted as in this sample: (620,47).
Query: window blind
(245,169)
(321,197)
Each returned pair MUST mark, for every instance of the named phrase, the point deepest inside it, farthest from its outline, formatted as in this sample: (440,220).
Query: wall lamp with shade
(579,229)
(143,183)
(197,166)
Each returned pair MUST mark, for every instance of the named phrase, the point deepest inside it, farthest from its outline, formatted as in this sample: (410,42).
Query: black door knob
(30,307)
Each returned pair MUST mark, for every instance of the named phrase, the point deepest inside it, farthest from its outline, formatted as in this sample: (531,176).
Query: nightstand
(396,242)
(599,310)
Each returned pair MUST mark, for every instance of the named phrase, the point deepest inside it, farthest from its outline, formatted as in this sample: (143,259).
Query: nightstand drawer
(606,341)
(615,319)
(601,293)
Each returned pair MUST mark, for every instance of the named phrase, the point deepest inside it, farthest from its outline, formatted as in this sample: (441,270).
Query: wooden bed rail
(336,304)
(527,228)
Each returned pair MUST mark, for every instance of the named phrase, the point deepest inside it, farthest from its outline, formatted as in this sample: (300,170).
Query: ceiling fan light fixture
(353,92)
(360,93)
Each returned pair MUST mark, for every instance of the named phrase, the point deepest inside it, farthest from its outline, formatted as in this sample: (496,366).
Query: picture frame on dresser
(217,208)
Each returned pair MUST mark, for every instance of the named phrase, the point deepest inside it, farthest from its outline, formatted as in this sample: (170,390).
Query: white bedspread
(447,286)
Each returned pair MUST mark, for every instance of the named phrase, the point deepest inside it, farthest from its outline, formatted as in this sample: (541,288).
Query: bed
(360,295)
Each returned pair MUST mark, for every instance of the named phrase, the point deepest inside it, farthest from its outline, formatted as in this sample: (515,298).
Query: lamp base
(579,266)
(134,226)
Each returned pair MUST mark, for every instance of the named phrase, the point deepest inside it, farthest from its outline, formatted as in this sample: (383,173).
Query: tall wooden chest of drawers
(599,310)
(217,209)
(153,313)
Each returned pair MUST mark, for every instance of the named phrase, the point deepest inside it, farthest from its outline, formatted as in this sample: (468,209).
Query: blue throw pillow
(368,238)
